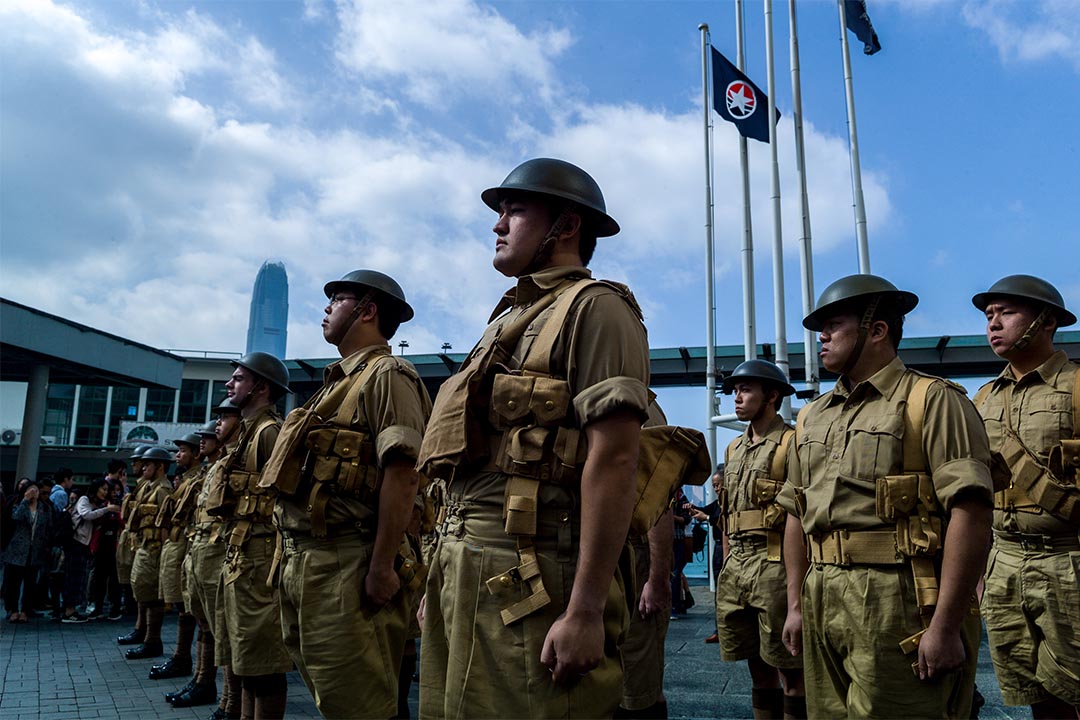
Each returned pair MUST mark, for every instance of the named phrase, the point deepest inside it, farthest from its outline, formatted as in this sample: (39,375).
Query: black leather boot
(171,668)
(135,637)
(197,695)
(170,696)
(149,649)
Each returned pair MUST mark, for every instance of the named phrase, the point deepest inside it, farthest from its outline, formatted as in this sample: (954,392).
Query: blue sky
(153,154)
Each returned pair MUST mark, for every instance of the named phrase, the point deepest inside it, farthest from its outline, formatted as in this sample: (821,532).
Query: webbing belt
(855,547)
(1033,542)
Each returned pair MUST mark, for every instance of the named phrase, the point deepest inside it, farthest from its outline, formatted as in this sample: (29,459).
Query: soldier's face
(749,400)
(225,426)
(521,227)
(1006,322)
(838,337)
(184,456)
(149,470)
(339,316)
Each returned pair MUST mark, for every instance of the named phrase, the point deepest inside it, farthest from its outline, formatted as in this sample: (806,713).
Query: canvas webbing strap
(855,547)
(779,459)
(540,363)
(914,415)
(922,566)
(527,572)
(1076,405)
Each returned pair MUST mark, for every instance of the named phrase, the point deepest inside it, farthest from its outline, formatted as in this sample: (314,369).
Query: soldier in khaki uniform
(536,438)
(205,558)
(247,625)
(125,549)
(1032,412)
(751,591)
(173,552)
(145,580)
(344,505)
(886,619)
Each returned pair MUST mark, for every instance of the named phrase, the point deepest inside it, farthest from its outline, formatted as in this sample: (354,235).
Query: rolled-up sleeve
(397,410)
(957,449)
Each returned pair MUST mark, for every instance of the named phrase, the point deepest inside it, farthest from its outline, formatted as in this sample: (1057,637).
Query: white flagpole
(853,139)
(749,302)
(710,302)
(806,255)
(778,233)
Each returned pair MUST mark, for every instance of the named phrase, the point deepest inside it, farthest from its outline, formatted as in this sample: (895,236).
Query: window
(58,406)
(159,404)
(125,406)
(219,393)
(193,401)
(91,418)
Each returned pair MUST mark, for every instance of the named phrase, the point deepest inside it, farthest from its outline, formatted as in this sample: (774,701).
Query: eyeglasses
(341,298)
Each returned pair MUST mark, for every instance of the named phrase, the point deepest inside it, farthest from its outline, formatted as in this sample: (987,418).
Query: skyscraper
(269,319)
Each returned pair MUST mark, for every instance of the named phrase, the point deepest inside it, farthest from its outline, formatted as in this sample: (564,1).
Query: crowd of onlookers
(59,548)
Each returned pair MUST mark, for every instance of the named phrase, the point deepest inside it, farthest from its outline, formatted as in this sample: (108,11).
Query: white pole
(710,302)
(778,233)
(806,255)
(853,139)
(749,309)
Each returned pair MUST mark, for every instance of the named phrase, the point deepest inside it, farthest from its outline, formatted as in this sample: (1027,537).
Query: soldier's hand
(422,605)
(380,584)
(573,647)
(792,633)
(655,599)
(940,652)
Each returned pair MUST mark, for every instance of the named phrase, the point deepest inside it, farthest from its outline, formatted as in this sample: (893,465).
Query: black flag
(739,101)
(858,22)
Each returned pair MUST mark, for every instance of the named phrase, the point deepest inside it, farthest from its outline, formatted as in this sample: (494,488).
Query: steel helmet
(1027,287)
(267,367)
(207,430)
(158,454)
(137,453)
(761,370)
(858,286)
(226,407)
(557,178)
(360,280)
(191,440)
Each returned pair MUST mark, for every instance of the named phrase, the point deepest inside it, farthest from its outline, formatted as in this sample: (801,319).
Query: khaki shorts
(172,560)
(247,627)
(642,650)
(853,621)
(751,607)
(347,652)
(205,560)
(145,585)
(1032,609)
(474,666)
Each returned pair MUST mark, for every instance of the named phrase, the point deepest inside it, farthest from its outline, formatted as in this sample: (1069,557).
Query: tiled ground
(51,671)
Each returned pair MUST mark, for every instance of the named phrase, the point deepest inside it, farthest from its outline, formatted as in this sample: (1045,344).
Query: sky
(154,154)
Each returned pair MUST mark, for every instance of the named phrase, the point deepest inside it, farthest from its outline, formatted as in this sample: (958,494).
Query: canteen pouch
(252,501)
(283,469)
(896,496)
(343,459)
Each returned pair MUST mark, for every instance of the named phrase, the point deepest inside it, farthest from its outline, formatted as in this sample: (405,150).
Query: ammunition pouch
(344,460)
(531,413)
(1034,487)
(253,503)
(144,516)
(219,501)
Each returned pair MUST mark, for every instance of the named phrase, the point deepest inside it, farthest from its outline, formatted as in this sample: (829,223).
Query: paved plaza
(52,671)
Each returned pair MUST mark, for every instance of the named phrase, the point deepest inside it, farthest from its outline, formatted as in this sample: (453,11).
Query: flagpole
(749,302)
(853,139)
(778,233)
(710,301)
(806,256)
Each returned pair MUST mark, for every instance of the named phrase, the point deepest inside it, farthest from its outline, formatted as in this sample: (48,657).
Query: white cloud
(447,49)
(1029,30)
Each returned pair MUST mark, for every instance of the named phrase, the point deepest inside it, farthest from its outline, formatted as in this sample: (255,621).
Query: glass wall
(193,401)
(59,404)
(159,404)
(125,406)
(91,418)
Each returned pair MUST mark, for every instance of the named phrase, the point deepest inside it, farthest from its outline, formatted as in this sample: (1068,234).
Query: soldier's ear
(572,227)
(879,329)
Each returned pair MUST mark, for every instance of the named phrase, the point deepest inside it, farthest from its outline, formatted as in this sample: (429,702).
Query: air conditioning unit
(10,436)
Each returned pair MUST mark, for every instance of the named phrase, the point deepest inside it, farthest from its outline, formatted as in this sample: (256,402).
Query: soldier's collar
(252,421)
(773,433)
(530,287)
(1047,372)
(884,381)
(352,363)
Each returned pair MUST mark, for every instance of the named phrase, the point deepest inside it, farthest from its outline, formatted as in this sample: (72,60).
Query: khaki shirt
(1041,414)
(393,408)
(602,352)
(851,438)
(748,460)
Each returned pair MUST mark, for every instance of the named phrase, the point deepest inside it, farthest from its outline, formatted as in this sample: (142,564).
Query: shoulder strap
(251,447)
(982,394)
(1076,404)
(779,458)
(347,410)
(914,414)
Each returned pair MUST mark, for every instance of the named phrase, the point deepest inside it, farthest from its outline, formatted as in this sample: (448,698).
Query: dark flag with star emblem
(739,101)
(858,22)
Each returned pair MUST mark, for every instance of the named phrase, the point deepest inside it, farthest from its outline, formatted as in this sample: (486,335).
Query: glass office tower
(269,310)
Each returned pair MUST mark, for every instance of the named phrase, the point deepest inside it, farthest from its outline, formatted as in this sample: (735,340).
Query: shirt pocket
(1047,421)
(813,451)
(875,447)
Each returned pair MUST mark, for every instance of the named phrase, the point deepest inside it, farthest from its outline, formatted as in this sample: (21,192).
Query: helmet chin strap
(1033,330)
(357,309)
(864,332)
(547,246)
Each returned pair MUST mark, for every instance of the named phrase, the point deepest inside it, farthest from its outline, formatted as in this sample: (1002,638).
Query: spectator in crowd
(681,516)
(63,479)
(27,550)
(104,578)
(77,552)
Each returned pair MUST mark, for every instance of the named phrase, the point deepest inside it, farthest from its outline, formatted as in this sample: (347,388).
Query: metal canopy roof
(948,356)
(78,354)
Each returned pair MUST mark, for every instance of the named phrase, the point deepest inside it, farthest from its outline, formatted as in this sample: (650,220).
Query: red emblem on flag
(741,100)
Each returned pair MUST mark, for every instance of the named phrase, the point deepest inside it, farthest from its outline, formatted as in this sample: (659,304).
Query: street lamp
(403,344)
(446,346)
